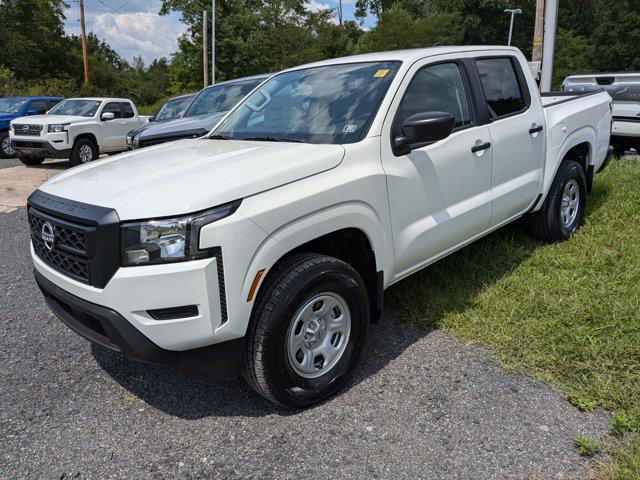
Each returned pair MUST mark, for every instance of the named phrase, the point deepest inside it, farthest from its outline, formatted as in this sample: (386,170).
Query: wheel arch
(89,136)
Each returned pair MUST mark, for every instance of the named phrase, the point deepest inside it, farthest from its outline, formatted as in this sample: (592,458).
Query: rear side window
(127,110)
(52,103)
(438,88)
(114,108)
(501,87)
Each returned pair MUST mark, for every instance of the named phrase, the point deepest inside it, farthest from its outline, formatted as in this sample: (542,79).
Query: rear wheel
(5,146)
(307,330)
(563,210)
(83,151)
(31,161)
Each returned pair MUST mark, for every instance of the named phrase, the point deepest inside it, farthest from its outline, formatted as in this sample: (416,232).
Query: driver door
(112,130)
(439,194)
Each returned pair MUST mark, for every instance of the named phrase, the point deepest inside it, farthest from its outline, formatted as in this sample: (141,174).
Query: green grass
(569,313)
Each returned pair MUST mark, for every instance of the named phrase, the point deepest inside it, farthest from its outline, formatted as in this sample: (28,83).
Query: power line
(135,21)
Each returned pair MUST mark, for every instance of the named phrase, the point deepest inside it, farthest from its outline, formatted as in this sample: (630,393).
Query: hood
(50,119)
(142,128)
(7,116)
(182,126)
(190,175)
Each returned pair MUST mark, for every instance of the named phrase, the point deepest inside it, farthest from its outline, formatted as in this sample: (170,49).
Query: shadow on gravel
(189,395)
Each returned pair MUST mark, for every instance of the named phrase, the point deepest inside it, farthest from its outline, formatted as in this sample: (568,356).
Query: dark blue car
(15,107)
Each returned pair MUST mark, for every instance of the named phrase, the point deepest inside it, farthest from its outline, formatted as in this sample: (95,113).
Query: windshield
(11,105)
(220,98)
(173,108)
(332,104)
(81,108)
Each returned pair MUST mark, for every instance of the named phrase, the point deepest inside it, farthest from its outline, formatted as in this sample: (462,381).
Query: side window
(114,108)
(39,105)
(500,85)
(52,103)
(438,88)
(127,110)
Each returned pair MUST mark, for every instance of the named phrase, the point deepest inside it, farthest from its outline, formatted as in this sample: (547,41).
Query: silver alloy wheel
(85,153)
(6,147)
(570,202)
(318,335)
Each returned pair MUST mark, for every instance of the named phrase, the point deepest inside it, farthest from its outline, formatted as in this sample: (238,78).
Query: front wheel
(563,210)
(30,161)
(307,330)
(5,146)
(83,151)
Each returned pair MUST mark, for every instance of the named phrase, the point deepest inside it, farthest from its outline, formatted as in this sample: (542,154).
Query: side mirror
(152,119)
(107,116)
(423,129)
(32,112)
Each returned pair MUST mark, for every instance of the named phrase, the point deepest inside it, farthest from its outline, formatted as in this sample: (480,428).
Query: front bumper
(39,148)
(108,328)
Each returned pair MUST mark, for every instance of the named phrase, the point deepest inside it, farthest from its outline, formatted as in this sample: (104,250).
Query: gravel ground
(424,405)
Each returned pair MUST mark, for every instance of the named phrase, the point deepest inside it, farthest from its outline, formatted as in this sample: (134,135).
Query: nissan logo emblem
(25,128)
(48,235)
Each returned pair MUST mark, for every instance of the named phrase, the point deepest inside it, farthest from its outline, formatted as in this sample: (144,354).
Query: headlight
(130,140)
(57,127)
(169,240)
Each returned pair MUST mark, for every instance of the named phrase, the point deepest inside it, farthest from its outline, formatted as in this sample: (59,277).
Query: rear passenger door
(439,194)
(130,121)
(518,142)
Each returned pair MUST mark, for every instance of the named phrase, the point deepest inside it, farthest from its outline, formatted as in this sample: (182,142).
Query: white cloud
(315,6)
(135,29)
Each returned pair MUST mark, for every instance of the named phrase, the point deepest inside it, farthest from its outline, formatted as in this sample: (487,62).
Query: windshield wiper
(219,137)
(271,139)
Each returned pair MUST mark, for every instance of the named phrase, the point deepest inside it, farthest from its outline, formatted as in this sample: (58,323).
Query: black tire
(547,223)
(76,157)
(31,161)
(292,285)
(5,149)
(619,150)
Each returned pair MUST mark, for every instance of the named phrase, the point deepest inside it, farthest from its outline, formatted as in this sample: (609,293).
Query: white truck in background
(624,88)
(79,129)
(264,247)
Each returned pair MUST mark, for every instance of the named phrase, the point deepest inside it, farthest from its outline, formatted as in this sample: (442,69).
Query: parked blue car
(15,107)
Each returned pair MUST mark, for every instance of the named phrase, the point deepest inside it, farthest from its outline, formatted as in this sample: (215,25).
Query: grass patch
(569,312)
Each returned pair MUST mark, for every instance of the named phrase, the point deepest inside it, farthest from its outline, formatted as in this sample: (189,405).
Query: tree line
(258,36)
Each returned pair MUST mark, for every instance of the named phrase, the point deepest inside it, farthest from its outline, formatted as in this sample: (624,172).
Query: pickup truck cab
(264,248)
(14,107)
(79,129)
(624,88)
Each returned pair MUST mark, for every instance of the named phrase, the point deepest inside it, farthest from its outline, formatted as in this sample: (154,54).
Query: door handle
(479,148)
(537,129)
(123,123)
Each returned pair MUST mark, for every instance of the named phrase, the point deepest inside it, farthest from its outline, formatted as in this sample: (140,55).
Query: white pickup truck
(264,247)
(624,88)
(79,129)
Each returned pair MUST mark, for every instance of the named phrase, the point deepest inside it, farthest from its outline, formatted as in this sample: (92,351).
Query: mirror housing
(152,119)
(107,116)
(423,129)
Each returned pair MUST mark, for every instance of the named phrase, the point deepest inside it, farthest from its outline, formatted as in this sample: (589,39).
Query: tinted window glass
(173,108)
(438,88)
(114,108)
(500,85)
(128,110)
(52,103)
(220,98)
(38,105)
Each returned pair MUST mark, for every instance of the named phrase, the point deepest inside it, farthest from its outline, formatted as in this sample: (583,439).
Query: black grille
(68,251)
(217,252)
(27,130)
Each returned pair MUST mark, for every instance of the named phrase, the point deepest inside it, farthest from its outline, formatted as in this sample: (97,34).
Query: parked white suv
(79,129)
(265,247)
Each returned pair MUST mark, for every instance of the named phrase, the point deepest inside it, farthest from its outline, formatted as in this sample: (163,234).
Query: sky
(133,27)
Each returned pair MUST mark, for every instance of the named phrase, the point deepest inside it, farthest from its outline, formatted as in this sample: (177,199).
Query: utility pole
(213,42)
(205,54)
(513,12)
(538,31)
(85,61)
(548,43)
(340,12)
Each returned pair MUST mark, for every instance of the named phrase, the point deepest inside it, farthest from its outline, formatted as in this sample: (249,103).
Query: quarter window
(438,88)
(501,88)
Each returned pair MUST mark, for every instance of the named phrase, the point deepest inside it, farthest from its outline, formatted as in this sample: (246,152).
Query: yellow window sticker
(380,73)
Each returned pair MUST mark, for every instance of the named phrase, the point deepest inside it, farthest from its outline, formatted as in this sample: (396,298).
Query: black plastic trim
(108,328)
(627,119)
(39,148)
(573,95)
(173,313)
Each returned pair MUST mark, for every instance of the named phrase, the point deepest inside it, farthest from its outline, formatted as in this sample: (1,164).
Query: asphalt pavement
(423,405)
